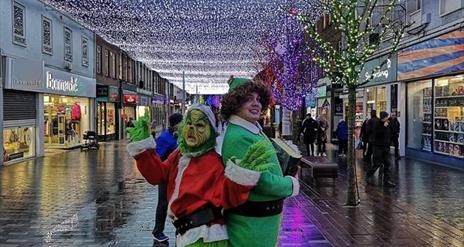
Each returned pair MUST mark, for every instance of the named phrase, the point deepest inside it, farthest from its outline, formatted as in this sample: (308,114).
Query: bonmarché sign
(62,85)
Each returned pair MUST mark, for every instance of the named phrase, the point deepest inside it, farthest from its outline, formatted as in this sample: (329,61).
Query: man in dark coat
(395,131)
(364,138)
(369,136)
(381,140)
(310,128)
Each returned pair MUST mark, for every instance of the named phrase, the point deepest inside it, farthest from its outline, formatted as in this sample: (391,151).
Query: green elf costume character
(199,187)
(256,222)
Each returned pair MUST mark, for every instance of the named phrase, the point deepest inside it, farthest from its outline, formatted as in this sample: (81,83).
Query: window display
(420,115)
(19,142)
(65,120)
(449,116)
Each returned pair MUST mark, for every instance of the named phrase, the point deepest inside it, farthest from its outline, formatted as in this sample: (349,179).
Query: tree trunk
(352,195)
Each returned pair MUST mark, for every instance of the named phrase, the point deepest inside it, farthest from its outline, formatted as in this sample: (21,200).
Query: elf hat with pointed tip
(236,82)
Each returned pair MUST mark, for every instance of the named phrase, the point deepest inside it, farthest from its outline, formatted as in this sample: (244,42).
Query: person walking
(166,143)
(381,140)
(369,129)
(310,129)
(342,136)
(364,139)
(395,132)
(322,135)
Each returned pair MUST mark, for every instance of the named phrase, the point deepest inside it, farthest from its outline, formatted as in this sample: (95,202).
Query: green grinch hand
(257,156)
(141,130)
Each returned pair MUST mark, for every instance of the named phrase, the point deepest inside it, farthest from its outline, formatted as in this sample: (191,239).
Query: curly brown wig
(232,101)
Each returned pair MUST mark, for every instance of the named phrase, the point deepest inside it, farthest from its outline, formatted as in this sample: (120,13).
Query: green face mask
(196,130)
(196,135)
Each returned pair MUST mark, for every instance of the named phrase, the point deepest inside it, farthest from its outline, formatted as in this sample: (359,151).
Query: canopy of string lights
(206,41)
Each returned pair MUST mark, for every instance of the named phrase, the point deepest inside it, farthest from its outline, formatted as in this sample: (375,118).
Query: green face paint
(196,130)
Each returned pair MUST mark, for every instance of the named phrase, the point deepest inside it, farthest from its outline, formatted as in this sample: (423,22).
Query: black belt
(259,209)
(198,218)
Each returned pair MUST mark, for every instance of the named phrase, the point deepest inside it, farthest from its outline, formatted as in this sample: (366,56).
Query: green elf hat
(235,82)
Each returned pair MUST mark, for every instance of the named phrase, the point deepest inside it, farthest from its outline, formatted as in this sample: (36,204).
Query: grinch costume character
(256,222)
(198,184)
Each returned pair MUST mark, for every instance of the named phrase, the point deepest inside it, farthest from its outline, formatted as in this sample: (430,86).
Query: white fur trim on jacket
(135,148)
(241,175)
(181,167)
(215,232)
(296,186)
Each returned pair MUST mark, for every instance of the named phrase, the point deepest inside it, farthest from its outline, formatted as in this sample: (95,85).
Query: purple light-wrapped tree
(290,57)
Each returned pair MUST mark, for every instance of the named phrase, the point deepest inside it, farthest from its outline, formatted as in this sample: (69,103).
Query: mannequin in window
(70,131)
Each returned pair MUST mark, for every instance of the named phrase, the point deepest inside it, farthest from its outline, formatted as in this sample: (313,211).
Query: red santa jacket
(192,183)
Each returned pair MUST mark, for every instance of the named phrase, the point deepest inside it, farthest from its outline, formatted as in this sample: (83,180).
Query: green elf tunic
(238,136)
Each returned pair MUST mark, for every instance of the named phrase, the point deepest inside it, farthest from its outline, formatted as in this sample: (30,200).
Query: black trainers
(389,184)
(160,237)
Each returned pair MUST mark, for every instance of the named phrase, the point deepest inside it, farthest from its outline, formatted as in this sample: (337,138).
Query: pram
(90,141)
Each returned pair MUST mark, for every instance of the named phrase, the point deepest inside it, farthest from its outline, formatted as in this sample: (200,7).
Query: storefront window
(370,99)
(19,142)
(101,118)
(420,115)
(381,101)
(66,119)
(107,127)
(110,118)
(449,116)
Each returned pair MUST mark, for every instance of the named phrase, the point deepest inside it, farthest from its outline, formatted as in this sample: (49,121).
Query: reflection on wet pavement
(98,198)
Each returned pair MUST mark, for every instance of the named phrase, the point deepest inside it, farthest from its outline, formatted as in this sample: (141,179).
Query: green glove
(257,156)
(141,130)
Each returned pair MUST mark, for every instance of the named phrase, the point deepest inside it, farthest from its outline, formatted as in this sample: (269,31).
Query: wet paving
(98,198)
(425,209)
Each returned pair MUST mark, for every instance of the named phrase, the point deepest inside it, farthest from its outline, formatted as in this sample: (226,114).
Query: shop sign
(438,56)
(158,99)
(322,91)
(129,87)
(64,83)
(387,72)
(324,81)
(29,75)
(130,99)
(143,91)
(102,91)
(143,100)
(113,94)
(16,77)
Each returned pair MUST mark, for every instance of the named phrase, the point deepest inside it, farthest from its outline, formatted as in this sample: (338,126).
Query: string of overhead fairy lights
(213,37)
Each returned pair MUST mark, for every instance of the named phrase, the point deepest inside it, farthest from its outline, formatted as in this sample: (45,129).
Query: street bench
(319,168)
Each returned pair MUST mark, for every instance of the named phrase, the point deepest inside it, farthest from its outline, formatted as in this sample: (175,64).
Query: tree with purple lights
(289,56)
